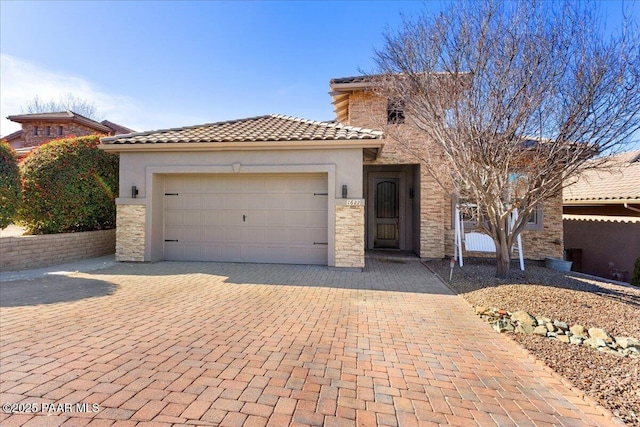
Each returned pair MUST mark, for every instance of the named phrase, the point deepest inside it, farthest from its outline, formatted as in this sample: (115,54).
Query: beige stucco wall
(147,171)
(436,233)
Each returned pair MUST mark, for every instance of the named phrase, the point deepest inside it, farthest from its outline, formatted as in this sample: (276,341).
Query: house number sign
(354,202)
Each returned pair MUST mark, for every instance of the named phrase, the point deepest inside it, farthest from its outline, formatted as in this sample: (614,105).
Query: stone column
(130,232)
(349,233)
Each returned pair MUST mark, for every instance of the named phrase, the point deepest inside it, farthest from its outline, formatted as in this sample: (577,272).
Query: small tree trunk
(503,256)
(503,262)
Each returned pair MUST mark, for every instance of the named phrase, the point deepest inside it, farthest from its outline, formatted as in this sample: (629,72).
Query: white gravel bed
(612,380)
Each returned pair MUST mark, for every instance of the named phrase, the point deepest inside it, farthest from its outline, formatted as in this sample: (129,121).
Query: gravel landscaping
(611,379)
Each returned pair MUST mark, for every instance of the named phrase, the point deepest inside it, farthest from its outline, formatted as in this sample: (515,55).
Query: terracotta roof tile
(262,128)
(602,218)
(619,183)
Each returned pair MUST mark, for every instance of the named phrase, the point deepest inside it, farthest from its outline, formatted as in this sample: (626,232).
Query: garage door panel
(282,218)
(318,218)
(173,233)
(213,234)
(215,219)
(174,218)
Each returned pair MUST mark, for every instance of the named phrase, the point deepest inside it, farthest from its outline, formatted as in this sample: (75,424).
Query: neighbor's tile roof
(602,218)
(620,183)
(59,116)
(272,127)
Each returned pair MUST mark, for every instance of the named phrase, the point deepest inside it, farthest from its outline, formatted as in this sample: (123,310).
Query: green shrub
(635,280)
(9,184)
(69,185)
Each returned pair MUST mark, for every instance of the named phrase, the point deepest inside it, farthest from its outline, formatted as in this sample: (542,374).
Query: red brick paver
(236,344)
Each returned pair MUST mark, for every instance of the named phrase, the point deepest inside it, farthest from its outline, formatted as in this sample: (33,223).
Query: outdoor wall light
(344,191)
(134,191)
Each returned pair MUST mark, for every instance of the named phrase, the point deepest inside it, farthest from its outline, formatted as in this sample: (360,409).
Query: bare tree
(513,98)
(67,102)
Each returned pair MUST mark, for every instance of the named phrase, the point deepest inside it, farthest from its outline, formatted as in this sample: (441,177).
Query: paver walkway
(234,344)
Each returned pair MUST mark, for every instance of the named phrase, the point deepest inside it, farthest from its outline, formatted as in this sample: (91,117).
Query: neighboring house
(601,218)
(287,190)
(39,128)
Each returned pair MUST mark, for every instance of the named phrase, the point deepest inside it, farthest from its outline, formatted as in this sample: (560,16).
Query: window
(471,216)
(395,112)
(35,130)
(535,219)
(47,131)
(59,130)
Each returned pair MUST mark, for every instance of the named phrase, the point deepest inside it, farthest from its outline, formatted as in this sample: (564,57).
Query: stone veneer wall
(370,111)
(130,232)
(349,236)
(436,226)
(68,129)
(23,252)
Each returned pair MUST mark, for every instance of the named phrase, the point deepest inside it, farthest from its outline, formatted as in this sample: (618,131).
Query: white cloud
(21,81)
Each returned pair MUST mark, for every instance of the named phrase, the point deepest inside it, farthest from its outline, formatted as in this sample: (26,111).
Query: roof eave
(68,119)
(373,143)
(595,202)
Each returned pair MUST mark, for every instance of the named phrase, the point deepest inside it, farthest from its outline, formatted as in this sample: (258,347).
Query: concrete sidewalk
(80,266)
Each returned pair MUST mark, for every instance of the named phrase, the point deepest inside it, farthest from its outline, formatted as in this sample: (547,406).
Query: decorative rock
(502,325)
(600,334)
(525,321)
(578,330)
(540,330)
(481,310)
(560,325)
(595,342)
(574,339)
(522,322)
(626,342)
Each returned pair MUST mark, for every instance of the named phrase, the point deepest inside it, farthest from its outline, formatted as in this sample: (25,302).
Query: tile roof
(602,218)
(272,127)
(60,116)
(620,183)
(116,128)
(15,135)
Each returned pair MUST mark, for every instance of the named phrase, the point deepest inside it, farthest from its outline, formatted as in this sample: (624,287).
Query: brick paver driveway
(234,344)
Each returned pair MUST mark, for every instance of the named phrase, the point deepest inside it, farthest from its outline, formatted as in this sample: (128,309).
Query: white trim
(241,146)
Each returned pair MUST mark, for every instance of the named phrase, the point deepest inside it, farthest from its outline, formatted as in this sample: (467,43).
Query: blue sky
(150,65)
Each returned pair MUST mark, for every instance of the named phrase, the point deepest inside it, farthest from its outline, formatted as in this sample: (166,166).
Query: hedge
(69,185)
(9,184)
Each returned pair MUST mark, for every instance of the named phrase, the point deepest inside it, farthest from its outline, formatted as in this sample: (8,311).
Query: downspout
(626,205)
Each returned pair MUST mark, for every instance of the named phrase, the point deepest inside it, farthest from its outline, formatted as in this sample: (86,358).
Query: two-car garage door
(246,218)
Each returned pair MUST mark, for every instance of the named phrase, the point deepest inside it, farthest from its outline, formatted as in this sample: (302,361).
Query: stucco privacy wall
(146,171)
(23,252)
(436,226)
